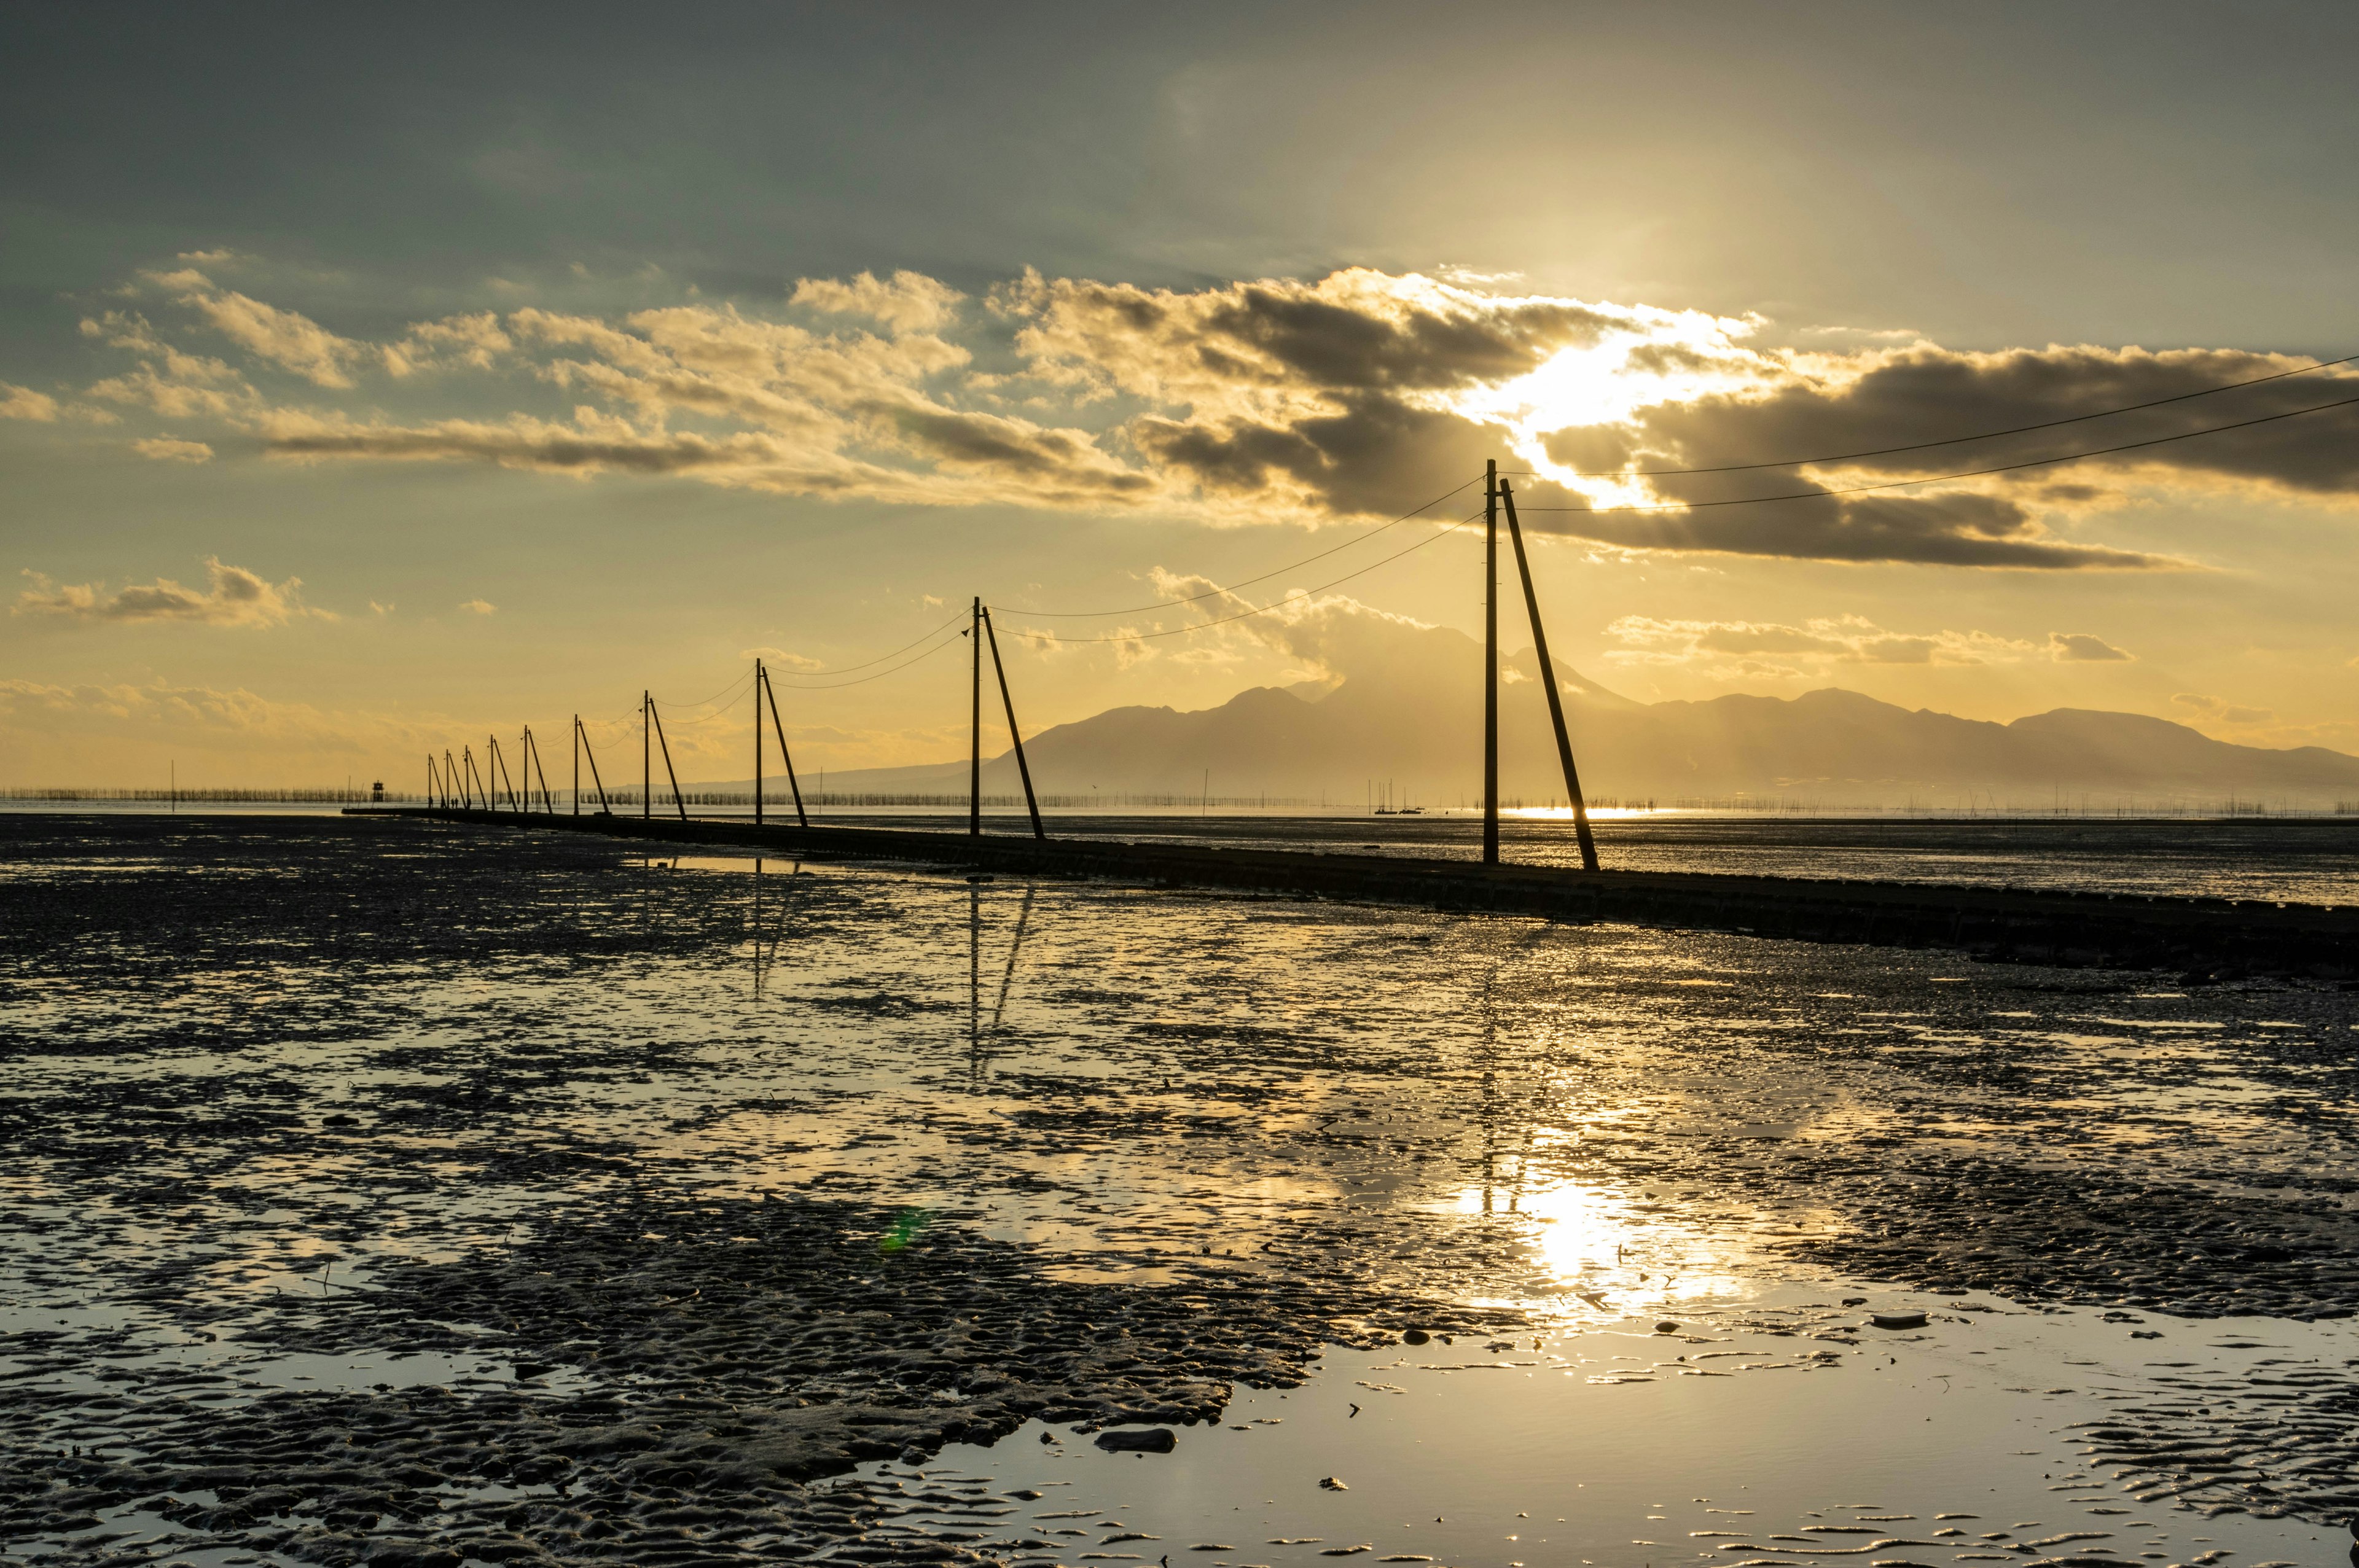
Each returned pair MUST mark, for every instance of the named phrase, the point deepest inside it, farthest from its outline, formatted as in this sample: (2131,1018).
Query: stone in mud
(1898,1319)
(1666,1327)
(1333,1484)
(1415,1336)
(1153,1440)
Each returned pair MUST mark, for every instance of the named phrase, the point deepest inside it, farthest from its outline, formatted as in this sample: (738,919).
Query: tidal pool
(386,1189)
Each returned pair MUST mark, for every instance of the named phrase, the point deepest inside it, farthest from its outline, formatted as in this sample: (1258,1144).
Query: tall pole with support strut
(757,743)
(678,801)
(1490,663)
(1022,769)
(1548,679)
(646,756)
(770,696)
(974,724)
(581,749)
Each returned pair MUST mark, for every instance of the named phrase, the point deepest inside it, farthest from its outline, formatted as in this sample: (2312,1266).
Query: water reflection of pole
(973,981)
(757,902)
(1490,1108)
(1023,918)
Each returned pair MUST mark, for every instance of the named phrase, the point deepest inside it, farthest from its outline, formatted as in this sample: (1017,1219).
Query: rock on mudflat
(1898,1319)
(1153,1440)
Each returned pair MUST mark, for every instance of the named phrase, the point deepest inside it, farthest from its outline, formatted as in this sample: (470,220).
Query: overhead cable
(1258,609)
(1968,473)
(1961,440)
(1247,583)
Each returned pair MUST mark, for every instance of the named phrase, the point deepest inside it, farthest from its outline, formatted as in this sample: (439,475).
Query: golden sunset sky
(372,379)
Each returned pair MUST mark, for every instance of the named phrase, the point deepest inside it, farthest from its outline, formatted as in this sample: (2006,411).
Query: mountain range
(1408,726)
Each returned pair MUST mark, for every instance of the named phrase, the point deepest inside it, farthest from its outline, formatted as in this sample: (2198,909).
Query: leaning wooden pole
(1490,663)
(974,724)
(1547,684)
(770,694)
(1022,769)
(679,804)
(581,739)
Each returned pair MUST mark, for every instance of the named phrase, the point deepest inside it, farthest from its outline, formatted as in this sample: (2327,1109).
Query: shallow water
(478,1144)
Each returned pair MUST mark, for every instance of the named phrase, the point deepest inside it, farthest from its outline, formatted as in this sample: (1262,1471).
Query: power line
(716,696)
(1247,582)
(880,675)
(847,670)
(1969,473)
(1960,440)
(1262,609)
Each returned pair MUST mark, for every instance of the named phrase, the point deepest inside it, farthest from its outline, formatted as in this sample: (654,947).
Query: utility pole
(1491,662)
(974,721)
(1548,679)
(757,743)
(646,758)
(786,754)
(1015,735)
(577,765)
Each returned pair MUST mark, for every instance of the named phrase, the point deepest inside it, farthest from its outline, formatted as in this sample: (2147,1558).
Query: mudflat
(382,1191)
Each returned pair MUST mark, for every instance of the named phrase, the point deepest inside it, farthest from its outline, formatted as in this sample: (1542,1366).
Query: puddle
(1604,1447)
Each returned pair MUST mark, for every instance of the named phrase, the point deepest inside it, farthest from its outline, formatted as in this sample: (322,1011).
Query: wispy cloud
(24,403)
(1765,648)
(2080,648)
(166,449)
(478,606)
(232,597)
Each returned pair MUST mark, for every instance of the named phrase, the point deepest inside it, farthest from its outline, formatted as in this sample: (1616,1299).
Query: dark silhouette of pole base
(1547,684)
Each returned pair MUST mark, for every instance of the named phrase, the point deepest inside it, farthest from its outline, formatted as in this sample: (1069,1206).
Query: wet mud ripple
(680,1373)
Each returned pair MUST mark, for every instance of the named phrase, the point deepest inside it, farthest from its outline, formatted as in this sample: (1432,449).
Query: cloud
(174,384)
(1733,648)
(474,342)
(910,302)
(164,448)
(477,605)
(1866,403)
(24,403)
(1358,394)
(1959,528)
(234,720)
(234,597)
(2221,709)
(283,338)
(2080,648)
(782,659)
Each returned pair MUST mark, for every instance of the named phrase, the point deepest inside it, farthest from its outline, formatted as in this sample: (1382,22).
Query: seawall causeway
(2202,937)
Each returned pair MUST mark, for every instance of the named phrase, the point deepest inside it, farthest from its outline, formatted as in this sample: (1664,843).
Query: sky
(373,381)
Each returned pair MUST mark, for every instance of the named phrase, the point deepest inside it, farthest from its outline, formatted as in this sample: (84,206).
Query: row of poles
(459,783)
